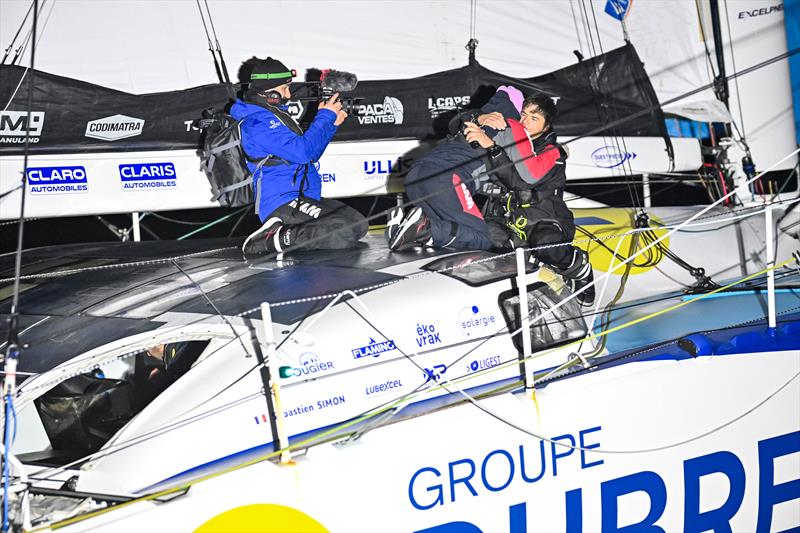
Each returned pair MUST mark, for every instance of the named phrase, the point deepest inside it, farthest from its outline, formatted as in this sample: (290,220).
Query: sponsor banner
(16,125)
(114,128)
(389,112)
(98,119)
(373,348)
(57,180)
(611,157)
(310,366)
(147,176)
(447,104)
(474,322)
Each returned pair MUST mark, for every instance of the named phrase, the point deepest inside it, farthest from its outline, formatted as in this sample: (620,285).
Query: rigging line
(638,451)
(13,348)
(736,81)
(210,46)
(615,123)
(456,267)
(361,289)
(219,48)
(184,222)
(575,22)
(14,40)
(596,28)
(24,46)
(19,53)
(383,409)
(700,23)
(632,187)
(472,18)
(600,107)
(210,224)
(587,29)
(23,196)
(238,221)
(145,262)
(6,193)
(213,306)
(409,396)
(120,446)
(49,473)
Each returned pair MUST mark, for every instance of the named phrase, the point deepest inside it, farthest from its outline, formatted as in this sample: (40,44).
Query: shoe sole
(269,222)
(393,222)
(413,218)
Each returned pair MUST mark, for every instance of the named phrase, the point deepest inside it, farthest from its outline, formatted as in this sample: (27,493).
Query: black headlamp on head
(281,76)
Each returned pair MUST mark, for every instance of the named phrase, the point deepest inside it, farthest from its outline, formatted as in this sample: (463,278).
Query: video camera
(330,82)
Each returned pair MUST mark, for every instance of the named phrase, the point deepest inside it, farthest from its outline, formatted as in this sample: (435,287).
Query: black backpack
(223,160)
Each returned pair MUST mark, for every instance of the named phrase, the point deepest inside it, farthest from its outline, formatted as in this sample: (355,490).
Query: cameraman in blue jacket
(281,156)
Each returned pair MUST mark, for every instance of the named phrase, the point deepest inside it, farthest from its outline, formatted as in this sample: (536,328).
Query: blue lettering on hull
(465,478)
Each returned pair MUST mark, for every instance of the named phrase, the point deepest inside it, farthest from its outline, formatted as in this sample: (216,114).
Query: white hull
(405,477)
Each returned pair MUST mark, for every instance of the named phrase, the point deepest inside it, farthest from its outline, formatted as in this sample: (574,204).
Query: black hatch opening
(563,325)
(82,413)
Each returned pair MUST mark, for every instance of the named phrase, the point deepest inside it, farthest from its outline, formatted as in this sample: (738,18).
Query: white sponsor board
(165,180)
(114,128)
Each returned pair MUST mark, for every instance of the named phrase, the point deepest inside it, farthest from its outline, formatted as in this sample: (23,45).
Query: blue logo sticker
(473,322)
(57,180)
(373,349)
(610,157)
(137,176)
(483,364)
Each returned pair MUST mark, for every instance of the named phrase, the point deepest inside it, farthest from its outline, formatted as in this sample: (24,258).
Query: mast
(721,81)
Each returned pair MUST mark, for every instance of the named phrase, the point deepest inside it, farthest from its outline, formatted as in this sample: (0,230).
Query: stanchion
(770,264)
(524,320)
(272,385)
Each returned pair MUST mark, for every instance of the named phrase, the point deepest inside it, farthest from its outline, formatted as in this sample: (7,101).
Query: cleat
(265,239)
(393,223)
(414,230)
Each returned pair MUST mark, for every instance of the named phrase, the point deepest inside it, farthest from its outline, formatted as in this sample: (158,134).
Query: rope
(213,223)
(339,428)
(733,63)
(14,40)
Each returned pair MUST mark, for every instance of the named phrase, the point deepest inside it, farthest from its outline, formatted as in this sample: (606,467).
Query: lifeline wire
(175,426)
(599,129)
(373,413)
(606,333)
(157,431)
(643,250)
(12,346)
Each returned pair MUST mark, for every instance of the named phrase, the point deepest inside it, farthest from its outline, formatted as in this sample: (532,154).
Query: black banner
(70,116)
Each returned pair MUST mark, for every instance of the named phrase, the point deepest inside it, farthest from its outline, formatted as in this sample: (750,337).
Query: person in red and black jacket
(442,183)
(528,161)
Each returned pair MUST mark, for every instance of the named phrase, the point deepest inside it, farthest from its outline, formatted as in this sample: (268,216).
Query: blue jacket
(264,134)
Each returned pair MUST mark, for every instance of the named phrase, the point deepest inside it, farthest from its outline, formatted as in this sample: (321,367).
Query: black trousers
(550,222)
(456,221)
(323,224)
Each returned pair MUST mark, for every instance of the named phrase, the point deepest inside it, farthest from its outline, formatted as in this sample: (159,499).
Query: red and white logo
(465,197)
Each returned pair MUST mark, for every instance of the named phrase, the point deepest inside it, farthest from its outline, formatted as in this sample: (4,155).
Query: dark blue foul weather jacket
(280,181)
